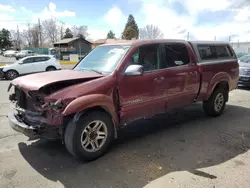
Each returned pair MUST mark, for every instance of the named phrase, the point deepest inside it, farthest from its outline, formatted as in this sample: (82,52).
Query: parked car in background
(240,54)
(118,83)
(28,65)
(24,53)
(243,57)
(10,53)
(244,79)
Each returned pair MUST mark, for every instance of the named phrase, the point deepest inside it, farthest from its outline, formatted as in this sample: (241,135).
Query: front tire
(216,103)
(11,75)
(90,137)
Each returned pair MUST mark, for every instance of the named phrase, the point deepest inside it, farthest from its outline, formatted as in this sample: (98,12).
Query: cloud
(113,19)
(50,11)
(9,22)
(114,16)
(234,18)
(7,8)
(243,15)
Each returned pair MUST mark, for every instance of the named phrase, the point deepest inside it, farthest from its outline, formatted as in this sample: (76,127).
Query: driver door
(142,95)
(27,66)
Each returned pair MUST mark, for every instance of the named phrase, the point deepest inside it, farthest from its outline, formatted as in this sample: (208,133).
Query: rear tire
(216,103)
(11,74)
(90,137)
(51,68)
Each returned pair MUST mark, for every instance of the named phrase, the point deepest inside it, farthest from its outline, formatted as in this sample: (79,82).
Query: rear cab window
(211,52)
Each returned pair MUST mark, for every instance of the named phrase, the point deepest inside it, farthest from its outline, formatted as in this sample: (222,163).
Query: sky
(202,19)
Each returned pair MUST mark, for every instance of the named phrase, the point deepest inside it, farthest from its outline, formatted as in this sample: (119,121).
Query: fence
(39,50)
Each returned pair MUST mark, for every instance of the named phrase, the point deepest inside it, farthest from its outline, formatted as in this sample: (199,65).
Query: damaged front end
(33,116)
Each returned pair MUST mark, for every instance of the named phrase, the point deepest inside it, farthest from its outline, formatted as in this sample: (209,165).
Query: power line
(14,20)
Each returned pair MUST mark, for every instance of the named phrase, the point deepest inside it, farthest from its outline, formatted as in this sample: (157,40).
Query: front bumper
(2,74)
(21,127)
(244,81)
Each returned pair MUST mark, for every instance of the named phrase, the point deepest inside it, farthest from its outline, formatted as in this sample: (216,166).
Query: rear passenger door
(181,76)
(40,63)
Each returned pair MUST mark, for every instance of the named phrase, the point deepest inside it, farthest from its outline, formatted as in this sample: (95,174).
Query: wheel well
(76,116)
(51,66)
(224,85)
(12,70)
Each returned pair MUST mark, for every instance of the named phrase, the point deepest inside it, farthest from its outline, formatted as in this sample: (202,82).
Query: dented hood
(39,80)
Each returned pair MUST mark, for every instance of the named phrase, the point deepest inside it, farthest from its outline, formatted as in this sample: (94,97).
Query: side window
(38,59)
(207,52)
(28,60)
(222,52)
(41,59)
(147,56)
(211,52)
(230,51)
(176,55)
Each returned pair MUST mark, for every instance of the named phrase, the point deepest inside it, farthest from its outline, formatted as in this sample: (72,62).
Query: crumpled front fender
(89,101)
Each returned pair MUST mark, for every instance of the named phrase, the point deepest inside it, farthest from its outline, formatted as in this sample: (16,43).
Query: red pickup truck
(119,83)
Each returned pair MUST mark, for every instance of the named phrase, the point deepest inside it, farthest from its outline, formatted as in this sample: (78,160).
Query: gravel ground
(183,148)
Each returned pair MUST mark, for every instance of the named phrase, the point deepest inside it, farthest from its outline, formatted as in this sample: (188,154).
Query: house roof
(99,41)
(103,41)
(68,40)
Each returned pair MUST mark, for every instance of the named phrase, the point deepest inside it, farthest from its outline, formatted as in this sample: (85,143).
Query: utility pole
(229,39)
(214,38)
(18,39)
(40,33)
(188,36)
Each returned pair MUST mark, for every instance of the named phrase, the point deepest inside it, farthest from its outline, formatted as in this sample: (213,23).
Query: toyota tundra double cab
(118,83)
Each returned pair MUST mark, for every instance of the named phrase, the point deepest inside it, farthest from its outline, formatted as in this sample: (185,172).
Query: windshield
(246,60)
(103,59)
(243,57)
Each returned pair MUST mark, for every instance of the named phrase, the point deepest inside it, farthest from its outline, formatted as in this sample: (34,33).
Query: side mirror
(134,70)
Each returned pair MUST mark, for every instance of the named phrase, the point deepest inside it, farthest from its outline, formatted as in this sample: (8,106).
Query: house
(241,47)
(76,45)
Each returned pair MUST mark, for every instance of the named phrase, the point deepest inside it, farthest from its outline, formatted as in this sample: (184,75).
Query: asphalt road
(183,148)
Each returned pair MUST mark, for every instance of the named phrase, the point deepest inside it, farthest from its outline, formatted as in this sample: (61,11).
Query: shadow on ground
(146,150)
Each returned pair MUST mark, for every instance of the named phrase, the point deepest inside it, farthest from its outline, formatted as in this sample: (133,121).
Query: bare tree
(31,35)
(150,32)
(35,33)
(62,28)
(27,36)
(80,31)
(51,29)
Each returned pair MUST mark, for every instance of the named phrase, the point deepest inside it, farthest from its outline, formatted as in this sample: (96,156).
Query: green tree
(111,35)
(5,38)
(131,29)
(68,34)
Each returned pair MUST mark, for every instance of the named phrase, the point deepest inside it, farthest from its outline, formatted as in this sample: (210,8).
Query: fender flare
(90,101)
(217,78)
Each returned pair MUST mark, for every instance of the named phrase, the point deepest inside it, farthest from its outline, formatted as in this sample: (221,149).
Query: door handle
(193,73)
(159,79)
